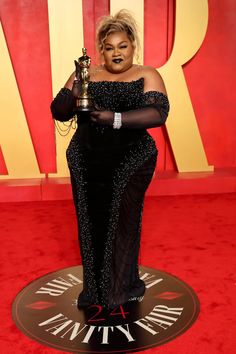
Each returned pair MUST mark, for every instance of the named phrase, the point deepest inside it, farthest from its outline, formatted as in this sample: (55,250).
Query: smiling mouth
(117,61)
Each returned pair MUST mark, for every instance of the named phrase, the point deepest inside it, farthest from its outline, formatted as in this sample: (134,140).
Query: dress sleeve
(62,107)
(153,112)
(157,100)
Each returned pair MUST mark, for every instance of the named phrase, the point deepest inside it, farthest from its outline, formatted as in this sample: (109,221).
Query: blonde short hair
(122,21)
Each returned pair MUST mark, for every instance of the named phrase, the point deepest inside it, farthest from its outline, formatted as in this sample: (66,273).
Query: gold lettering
(191,26)
(66,41)
(15,139)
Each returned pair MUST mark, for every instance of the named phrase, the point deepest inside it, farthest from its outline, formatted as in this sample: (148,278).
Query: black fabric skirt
(108,189)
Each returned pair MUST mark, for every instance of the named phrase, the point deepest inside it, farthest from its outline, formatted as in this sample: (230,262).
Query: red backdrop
(210,75)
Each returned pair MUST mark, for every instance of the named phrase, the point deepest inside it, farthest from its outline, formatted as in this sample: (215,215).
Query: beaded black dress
(110,172)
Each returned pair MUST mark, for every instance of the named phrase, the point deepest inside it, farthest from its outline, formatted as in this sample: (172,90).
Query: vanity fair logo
(46,311)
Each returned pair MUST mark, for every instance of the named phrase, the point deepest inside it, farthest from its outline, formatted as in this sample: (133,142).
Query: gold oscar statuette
(84,100)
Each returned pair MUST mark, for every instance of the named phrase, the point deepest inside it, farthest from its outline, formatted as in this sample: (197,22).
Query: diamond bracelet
(117,123)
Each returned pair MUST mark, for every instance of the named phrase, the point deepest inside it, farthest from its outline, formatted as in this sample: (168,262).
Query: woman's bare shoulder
(149,71)
(152,79)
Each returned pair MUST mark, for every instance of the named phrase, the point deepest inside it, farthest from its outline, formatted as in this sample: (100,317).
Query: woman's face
(118,52)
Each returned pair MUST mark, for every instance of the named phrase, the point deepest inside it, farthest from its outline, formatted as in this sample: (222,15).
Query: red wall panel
(25,25)
(211,78)
(92,11)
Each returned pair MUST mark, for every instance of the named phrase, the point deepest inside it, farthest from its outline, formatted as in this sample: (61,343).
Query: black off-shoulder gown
(110,172)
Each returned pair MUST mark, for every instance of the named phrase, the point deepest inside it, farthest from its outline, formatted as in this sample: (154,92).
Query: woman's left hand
(102,117)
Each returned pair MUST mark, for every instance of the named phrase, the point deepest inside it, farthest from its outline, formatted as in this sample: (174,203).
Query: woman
(112,158)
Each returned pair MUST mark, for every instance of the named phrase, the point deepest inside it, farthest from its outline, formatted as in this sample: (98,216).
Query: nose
(116,52)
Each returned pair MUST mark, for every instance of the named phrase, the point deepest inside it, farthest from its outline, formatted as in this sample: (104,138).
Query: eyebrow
(118,43)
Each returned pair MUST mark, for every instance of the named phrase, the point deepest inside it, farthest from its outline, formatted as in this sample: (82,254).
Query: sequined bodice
(112,96)
(117,96)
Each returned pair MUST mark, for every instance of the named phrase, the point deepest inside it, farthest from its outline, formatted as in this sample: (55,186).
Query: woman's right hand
(77,70)
(76,87)
(74,82)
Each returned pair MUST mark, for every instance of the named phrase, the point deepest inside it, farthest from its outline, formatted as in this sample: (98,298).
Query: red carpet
(191,237)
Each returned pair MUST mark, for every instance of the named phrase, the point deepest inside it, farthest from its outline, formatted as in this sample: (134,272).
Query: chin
(117,68)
